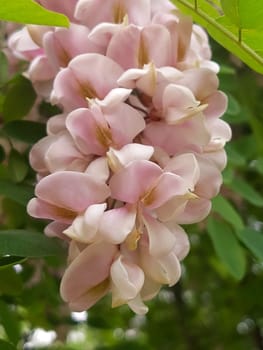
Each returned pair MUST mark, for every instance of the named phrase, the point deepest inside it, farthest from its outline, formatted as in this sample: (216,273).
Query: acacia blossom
(137,150)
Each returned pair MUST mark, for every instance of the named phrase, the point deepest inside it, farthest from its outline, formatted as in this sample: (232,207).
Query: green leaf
(6,346)
(243,13)
(253,240)
(7,261)
(227,247)
(18,193)
(223,30)
(17,166)
(225,209)
(19,99)
(246,191)
(28,11)
(28,244)
(25,130)
(10,322)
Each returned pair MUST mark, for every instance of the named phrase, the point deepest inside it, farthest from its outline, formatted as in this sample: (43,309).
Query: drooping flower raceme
(137,150)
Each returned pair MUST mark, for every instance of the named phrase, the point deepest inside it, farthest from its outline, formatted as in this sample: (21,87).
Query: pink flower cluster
(138,149)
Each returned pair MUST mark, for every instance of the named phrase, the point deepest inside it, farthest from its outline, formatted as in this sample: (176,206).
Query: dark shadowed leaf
(18,193)
(25,130)
(19,99)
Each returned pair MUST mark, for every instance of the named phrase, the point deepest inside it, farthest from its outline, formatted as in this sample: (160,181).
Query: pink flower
(62,195)
(83,285)
(77,83)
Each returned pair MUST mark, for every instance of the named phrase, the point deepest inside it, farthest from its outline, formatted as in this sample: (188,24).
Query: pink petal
(195,211)
(130,183)
(182,244)
(37,153)
(124,47)
(116,224)
(55,229)
(186,166)
(161,240)
(150,289)
(56,124)
(127,278)
(127,154)
(125,123)
(80,276)
(168,185)
(203,82)
(209,174)
(83,126)
(191,135)
(87,11)
(71,190)
(137,306)
(63,154)
(99,169)
(85,227)
(41,209)
(88,299)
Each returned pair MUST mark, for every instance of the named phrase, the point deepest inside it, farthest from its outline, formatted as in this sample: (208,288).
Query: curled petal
(127,279)
(128,153)
(55,229)
(167,186)
(99,169)
(182,245)
(161,239)
(85,227)
(116,224)
(138,306)
(162,270)
(80,277)
(150,289)
(195,211)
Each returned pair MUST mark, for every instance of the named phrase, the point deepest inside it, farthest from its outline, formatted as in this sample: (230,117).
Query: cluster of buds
(138,149)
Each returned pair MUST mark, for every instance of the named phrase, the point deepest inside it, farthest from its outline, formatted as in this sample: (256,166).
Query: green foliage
(244,14)
(29,12)
(253,240)
(28,244)
(25,130)
(7,261)
(227,247)
(225,209)
(19,99)
(19,193)
(239,31)
(10,322)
